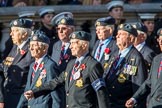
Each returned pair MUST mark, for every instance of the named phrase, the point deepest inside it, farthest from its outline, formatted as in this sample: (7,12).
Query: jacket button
(14,70)
(113,87)
(67,106)
(110,95)
(67,94)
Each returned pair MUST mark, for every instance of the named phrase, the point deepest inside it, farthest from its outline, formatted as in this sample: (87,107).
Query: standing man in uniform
(85,87)
(61,52)
(151,88)
(16,64)
(41,71)
(106,45)
(140,44)
(159,39)
(125,72)
(116,10)
(46,15)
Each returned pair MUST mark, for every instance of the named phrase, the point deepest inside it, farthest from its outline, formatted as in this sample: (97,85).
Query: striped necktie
(99,51)
(62,53)
(74,70)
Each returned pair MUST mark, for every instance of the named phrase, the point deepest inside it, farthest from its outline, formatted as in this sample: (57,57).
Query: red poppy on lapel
(22,52)
(82,66)
(107,51)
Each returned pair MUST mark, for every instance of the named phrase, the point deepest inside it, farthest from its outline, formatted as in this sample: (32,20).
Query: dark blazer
(16,67)
(123,83)
(152,86)
(112,45)
(56,56)
(47,72)
(148,55)
(80,93)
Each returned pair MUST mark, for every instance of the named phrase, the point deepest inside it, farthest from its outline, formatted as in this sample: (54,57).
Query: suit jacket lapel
(108,46)
(69,74)
(84,61)
(19,55)
(37,73)
(95,48)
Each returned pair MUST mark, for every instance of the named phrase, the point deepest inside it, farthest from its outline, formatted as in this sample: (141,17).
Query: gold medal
(79,82)
(39,82)
(121,78)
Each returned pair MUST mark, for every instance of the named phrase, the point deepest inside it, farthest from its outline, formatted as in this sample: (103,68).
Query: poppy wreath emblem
(107,52)
(22,52)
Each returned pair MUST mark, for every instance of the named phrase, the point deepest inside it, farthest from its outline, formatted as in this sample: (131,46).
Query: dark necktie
(99,51)
(113,67)
(160,69)
(62,53)
(74,70)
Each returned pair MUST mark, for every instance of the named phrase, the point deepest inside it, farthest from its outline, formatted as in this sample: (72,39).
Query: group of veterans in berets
(121,70)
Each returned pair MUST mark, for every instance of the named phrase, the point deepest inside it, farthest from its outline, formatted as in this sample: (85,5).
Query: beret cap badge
(73,36)
(15,23)
(35,38)
(134,26)
(121,26)
(98,23)
(63,21)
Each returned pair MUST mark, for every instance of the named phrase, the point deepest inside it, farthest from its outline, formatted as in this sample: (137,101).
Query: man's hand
(130,103)
(29,94)
(1,105)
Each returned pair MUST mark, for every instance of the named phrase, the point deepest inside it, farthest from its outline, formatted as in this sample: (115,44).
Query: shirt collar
(140,46)
(21,46)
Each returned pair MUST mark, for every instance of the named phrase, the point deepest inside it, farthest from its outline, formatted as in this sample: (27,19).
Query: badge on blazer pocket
(79,82)
(122,78)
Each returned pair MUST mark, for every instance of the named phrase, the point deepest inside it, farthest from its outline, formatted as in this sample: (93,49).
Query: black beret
(40,37)
(159,32)
(65,18)
(140,26)
(23,23)
(81,35)
(105,21)
(129,28)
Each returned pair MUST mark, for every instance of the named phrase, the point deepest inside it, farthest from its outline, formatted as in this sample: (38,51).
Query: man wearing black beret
(16,64)
(126,71)
(104,31)
(85,87)
(140,44)
(151,88)
(41,71)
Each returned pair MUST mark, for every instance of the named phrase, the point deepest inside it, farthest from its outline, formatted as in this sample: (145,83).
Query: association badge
(38,83)
(122,78)
(79,82)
